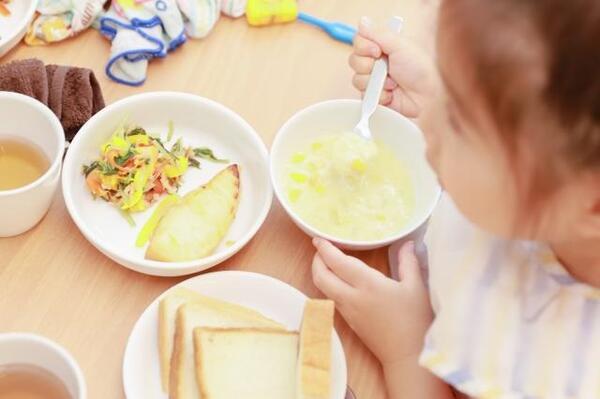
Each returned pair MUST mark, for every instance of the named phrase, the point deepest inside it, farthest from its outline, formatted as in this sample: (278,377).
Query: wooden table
(53,282)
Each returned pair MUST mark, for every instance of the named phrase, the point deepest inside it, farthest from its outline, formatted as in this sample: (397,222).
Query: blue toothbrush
(337,30)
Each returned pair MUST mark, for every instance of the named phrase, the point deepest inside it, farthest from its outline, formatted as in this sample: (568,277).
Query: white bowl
(31,349)
(200,122)
(398,132)
(25,118)
(14,27)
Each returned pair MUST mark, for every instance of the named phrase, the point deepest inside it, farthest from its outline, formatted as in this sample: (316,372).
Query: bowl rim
(36,339)
(39,107)
(355,244)
(21,26)
(154,267)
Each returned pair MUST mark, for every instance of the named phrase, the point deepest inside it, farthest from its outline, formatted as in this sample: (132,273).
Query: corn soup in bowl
(356,193)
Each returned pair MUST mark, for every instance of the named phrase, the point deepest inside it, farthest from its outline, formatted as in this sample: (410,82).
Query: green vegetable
(177,148)
(127,217)
(121,159)
(139,182)
(170,130)
(139,139)
(194,163)
(117,142)
(180,167)
(87,169)
(161,146)
(207,153)
(134,131)
(106,168)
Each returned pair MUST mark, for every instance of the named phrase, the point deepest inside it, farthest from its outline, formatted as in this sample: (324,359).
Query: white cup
(28,119)
(23,348)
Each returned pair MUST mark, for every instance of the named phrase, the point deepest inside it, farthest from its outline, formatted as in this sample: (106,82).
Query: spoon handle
(378,76)
(374,88)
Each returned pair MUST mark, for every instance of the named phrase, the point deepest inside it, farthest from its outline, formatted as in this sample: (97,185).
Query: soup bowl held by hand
(397,133)
(28,120)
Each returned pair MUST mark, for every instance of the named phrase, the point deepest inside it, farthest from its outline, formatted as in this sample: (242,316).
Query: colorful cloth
(144,29)
(61,19)
(200,16)
(510,322)
(233,8)
(140,31)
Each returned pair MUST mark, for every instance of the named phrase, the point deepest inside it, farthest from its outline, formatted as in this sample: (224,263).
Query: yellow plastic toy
(267,12)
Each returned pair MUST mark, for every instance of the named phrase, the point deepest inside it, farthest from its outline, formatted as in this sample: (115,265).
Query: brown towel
(73,94)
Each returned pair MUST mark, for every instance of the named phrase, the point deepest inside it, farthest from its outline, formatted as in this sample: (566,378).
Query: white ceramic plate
(200,123)
(14,27)
(273,298)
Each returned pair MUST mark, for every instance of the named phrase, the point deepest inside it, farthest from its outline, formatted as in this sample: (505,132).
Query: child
(511,116)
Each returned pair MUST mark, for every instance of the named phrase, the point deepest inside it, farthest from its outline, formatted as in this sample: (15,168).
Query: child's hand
(390,317)
(412,75)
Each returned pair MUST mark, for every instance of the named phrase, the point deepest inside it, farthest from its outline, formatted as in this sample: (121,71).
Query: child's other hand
(412,74)
(390,317)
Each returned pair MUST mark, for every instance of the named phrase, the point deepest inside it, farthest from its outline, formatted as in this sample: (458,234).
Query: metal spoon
(375,87)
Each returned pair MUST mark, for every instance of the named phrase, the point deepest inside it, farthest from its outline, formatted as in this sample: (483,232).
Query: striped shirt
(510,322)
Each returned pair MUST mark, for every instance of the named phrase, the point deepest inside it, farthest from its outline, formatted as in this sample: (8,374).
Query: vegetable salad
(135,168)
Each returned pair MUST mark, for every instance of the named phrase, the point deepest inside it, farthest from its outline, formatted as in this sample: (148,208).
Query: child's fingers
(360,64)
(331,285)
(365,47)
(360,82)
(387,96)
(390,84)
(404,104)
(348,268)
(408,267)
(387,40)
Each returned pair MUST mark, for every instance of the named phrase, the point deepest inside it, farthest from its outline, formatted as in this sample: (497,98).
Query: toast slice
(194,227)
(314,358)
(167,310)
(249,363)
(207,312)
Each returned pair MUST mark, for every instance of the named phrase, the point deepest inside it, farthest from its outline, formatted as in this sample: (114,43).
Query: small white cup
(23,348)
(26,118)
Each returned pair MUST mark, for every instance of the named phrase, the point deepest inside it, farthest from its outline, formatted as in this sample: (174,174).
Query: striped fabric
(510,321)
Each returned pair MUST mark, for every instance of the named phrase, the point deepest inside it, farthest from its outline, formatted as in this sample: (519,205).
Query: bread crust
(177,356)
(163,339)
(314,358)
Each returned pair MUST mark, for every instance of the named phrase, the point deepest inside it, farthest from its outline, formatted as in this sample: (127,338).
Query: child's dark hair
(565,34)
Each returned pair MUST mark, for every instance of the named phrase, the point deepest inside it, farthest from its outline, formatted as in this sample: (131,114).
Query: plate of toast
(231,335)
